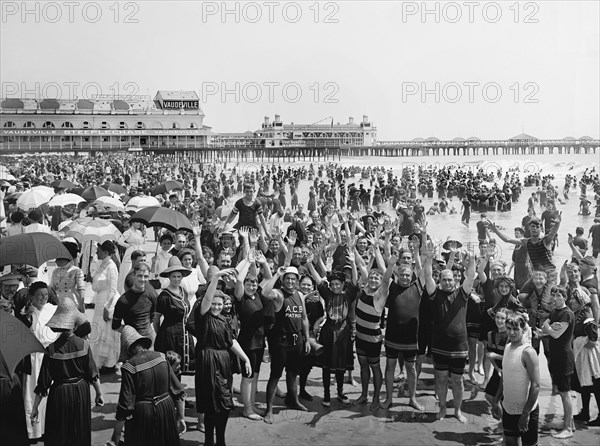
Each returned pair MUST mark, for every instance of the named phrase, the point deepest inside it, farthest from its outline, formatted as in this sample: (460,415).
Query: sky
(416,69)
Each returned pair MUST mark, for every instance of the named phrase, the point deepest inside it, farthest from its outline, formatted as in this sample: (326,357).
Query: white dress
(191,283)
(162,263)
(105,342)
(135,239)
(46,337)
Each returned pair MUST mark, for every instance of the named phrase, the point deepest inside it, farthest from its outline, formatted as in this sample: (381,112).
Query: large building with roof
(173,119)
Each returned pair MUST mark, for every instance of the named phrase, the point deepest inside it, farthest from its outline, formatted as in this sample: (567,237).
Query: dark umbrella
(167,186)
(33,248)
(94,192)
(16,342)
(116,188)
(164,218)
(12,198)
(63,184)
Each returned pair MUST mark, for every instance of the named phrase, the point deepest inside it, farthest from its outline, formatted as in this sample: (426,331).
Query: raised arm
(469,273)
(198,249)
(212,288)
(242,269)
(428,253)
(504,238)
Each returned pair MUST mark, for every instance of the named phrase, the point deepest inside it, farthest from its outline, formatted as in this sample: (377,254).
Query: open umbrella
(63,184)
(12,198)
(33,198)
(167,186)
(164,218)
(65,199)
(7,176)
(113,187)
(16,342)
(33,248)
(94,192)
(87,229)
(141,202)
(108,204)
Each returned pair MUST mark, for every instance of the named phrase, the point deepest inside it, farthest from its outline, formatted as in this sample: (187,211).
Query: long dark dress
(65,378)
(171,334)
(312,202)
(149,389)
(213,365)
(12,409)
(336,332)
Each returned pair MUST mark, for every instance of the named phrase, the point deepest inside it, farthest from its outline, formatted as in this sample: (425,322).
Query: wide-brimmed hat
(130,336)
(10,279)
(449,240)
(175,266)
(66,316)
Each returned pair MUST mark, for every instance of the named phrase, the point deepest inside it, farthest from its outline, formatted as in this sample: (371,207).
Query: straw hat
(130,336)
(175,266)
(10,279)
(449,240)
(292,270)
(66,316)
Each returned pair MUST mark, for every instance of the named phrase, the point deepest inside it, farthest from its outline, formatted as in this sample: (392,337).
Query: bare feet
(459,416)
(386,404)
(296,406)
(361,400)
(269,418)
(415,405)
(442,413)
(376,404)
(251,415)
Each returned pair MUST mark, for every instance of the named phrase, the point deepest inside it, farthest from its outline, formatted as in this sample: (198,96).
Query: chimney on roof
(267,121)
(350,120)
(365,119)
(277,118)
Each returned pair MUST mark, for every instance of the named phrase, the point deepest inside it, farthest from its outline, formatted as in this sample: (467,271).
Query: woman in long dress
(37,314)
(151,401)
(191,283)
(104,341)
(133,240)
(174,306)
(213,364)
(67,281)
(65,376)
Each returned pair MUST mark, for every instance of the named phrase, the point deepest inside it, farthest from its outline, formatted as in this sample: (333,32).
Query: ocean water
(442,226)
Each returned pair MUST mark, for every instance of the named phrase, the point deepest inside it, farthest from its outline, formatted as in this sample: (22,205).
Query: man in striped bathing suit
(449,345)
(369,307)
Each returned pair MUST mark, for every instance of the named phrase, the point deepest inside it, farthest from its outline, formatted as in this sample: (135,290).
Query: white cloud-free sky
(444,69)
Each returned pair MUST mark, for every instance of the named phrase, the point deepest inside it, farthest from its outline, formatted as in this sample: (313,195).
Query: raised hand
(429,251)
(244,232)
(292,238)
(351,256)
(259,256)
(254,236)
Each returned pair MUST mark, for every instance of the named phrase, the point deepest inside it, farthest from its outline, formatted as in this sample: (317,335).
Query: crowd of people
(263,277)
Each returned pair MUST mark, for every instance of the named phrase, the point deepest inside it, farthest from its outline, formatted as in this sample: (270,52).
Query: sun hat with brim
(130,337)
(66,316)
(449,240)
(10,279)
(175,268)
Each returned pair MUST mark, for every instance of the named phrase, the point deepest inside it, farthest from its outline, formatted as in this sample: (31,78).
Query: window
(9,125)
(193,125)
(104,125)
(140,125)
(67,125)
(48,125)
(86,125)
(175,125)
(122,125)
(29,125)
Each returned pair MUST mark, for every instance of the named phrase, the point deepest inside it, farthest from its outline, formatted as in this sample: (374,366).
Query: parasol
(164,218)
(88,229)
(110,204)
(16,342)
(33,248)
(141,202)
(113,187)
(63,184)
(12,198)
(94,192)
(167,186)
(34,198)
(7,176)
(65,199)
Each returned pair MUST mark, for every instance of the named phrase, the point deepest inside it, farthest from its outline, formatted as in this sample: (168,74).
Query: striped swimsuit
(368,329)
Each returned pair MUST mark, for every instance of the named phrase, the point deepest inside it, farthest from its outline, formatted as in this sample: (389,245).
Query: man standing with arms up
(449,345)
